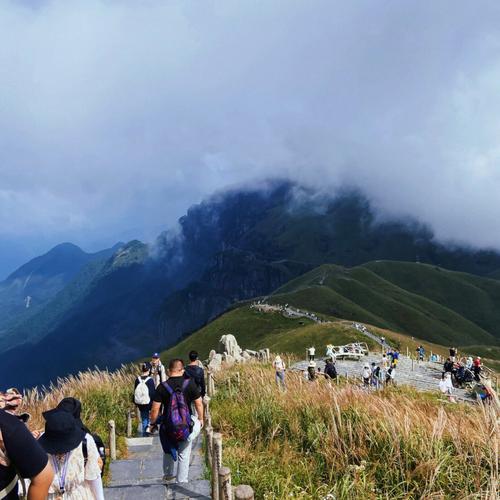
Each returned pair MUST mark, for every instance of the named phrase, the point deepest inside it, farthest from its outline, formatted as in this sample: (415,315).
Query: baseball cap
(155,355)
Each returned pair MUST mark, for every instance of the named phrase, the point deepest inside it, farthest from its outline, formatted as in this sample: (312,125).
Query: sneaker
(168,479)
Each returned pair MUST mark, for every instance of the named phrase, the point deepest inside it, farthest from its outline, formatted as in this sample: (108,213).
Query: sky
(117,115)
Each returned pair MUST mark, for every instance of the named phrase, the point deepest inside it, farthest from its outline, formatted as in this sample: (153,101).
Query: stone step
(141,474)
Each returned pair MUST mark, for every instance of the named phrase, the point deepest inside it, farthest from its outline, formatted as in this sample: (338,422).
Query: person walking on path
(366,375)
(178,428)
(330,370)
(279,367)
(74,406)
(446,386)
(144,391)
(453,353)
(477,368)
(157,371)
(22,457)
(74,458)
(312,353)
(196,372)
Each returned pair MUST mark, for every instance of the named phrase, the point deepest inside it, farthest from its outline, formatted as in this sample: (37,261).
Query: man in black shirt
(192,395)
(195,371)
(21,454)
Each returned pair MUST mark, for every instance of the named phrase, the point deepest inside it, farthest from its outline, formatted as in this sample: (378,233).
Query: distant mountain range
(140,298)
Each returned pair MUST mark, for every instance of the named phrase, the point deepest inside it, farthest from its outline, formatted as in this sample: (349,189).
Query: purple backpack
(177,420)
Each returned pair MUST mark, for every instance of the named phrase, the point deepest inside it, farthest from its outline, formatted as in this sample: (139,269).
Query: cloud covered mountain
(234,246)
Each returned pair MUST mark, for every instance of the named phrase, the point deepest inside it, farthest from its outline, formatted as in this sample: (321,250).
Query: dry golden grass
(104,395)
(317,439)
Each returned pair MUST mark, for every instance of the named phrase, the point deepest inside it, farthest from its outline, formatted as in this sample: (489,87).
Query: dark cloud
(120,114)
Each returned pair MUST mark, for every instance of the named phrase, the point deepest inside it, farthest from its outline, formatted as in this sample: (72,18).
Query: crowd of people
(170,403)
(62,461)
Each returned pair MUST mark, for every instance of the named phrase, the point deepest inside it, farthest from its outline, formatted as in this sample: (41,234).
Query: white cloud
(118,114)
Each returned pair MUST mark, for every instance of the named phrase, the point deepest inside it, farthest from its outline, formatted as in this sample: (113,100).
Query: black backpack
(196,373)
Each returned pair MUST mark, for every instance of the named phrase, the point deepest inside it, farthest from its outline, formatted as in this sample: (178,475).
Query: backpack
(197,374)
(141,393)
(177,421)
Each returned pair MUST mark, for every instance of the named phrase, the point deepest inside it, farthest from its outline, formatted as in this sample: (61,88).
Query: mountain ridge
(232,247)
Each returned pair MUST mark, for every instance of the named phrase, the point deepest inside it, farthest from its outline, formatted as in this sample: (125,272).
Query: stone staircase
(140,476)
(423,375)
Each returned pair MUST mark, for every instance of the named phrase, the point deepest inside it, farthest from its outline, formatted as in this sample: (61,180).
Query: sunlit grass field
(317,439)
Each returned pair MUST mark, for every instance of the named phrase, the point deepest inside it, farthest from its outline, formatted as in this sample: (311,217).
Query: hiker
(448,365)
(157,371)
(446,386)
(144,391)
(311,371)
(395,358)
(312,353)
(477,368)
(178,427)
(391,375)
(196,372)
(330,370)
(375,375)
(74,458)
(329,351)
(279,367)
(21,457)
(420,352)
(366,374)
(469,363)
(453,353)
(73,406)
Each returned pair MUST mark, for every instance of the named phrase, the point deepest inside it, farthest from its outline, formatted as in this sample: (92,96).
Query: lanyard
(61,473)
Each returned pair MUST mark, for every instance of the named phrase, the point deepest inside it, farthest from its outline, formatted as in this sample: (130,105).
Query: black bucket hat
(73,406)
(63,432)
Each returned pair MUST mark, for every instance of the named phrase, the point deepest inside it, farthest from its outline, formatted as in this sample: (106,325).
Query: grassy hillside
(410,304)
(256,330)
(315,440)
(422,301)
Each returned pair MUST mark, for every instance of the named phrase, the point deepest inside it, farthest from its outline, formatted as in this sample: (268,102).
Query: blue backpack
(177,416)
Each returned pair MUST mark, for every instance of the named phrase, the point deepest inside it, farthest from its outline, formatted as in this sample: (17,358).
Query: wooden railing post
(129,423)
(112,439)
(216,463)
(243,492)
(210,384)
(225,491)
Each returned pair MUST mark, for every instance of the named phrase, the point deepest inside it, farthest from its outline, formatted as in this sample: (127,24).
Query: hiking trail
(423,375)
(140,476)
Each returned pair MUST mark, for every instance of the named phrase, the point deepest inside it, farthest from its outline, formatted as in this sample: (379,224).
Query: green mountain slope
(256,330)
(420,302)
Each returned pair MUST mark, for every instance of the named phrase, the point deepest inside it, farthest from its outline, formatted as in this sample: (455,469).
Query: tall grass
(317,439)
(104,396)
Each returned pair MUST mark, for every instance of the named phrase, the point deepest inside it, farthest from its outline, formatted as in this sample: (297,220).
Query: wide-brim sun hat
(63,432)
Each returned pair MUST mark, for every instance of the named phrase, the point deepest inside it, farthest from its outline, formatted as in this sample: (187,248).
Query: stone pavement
(140,476)
(423,375)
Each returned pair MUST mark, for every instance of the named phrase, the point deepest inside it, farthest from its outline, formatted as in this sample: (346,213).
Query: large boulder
(229,345)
